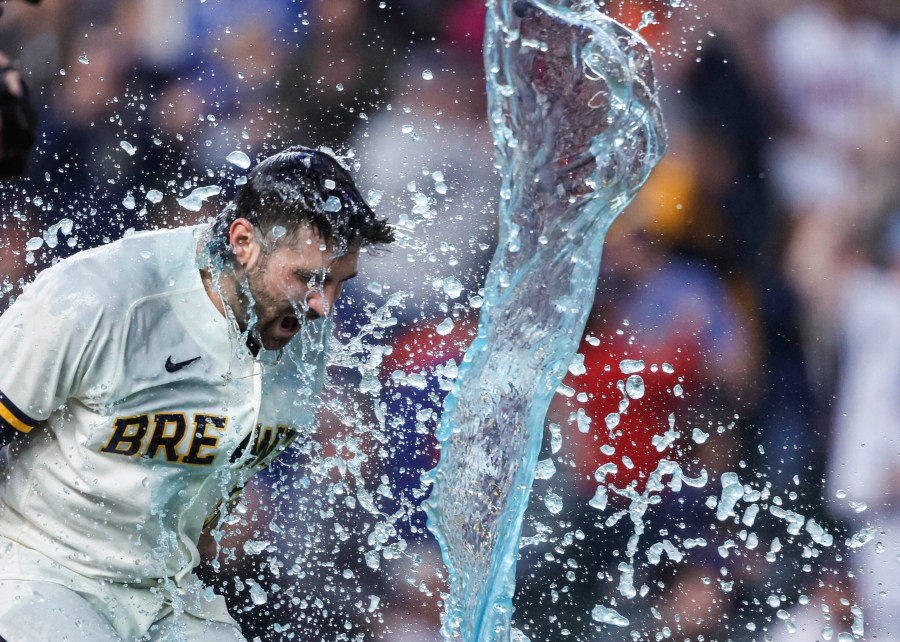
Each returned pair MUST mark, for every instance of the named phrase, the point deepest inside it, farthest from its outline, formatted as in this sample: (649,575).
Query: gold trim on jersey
(14,417)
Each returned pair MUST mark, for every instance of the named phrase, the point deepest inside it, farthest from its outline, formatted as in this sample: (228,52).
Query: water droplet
(668,369)
(339,86)
(444,327)
(582,421)
(34,243)
(577,366)
(333,204)
(194,201)
(375,197)
(857,627)
(861,538)
(83,59)
(128,147)
(258,595)
(555,437)
(612,420)
(554,503)
(255,547)
(647,19)
(452,287)
(544,469)
(128,202)
(634,387)
(600,498)
(239,159)
(154,196)
(629,366)
(606,615)
(427,75)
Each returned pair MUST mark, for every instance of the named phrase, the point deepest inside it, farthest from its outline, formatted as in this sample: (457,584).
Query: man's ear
(242,238)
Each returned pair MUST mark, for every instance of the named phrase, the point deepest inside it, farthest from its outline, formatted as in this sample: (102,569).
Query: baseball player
(138,393)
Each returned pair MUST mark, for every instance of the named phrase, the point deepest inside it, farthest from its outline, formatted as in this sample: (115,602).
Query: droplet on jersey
(128,202)
(427,75)
(154,196)
(128,147)
(239,159)
(83,59)
(34,243)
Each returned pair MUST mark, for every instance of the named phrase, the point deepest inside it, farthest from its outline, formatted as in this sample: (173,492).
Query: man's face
(297,278)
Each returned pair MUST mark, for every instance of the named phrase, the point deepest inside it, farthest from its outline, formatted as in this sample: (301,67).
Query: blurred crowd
(757,275)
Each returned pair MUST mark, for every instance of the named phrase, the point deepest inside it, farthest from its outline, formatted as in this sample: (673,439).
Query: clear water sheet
(577,129)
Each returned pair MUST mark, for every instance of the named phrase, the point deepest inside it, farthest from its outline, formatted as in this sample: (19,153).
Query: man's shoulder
(130,268)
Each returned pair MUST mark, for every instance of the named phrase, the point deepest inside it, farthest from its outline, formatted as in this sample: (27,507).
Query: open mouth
(289,325)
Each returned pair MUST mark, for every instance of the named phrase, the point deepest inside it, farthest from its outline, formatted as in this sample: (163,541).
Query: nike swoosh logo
(175,367)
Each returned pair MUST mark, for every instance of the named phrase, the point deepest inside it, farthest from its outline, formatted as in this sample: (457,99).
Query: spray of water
(577,129)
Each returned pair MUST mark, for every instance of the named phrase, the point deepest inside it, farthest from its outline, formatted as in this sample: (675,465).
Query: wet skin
(280,282)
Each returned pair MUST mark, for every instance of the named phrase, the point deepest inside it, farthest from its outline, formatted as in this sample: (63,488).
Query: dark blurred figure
(339,77)
(17,119)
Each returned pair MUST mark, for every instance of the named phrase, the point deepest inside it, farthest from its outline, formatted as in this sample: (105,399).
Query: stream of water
(577,129)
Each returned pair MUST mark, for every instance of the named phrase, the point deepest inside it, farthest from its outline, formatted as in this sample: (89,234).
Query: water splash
(577,129)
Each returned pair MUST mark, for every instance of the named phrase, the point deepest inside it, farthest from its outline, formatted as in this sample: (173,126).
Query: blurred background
(757,275)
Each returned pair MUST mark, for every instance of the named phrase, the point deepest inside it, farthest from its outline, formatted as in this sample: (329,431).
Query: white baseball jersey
(142,412)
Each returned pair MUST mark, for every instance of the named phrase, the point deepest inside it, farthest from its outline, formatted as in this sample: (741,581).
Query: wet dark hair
(303,186)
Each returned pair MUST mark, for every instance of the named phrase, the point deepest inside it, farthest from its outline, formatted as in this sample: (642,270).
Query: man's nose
(318,305)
